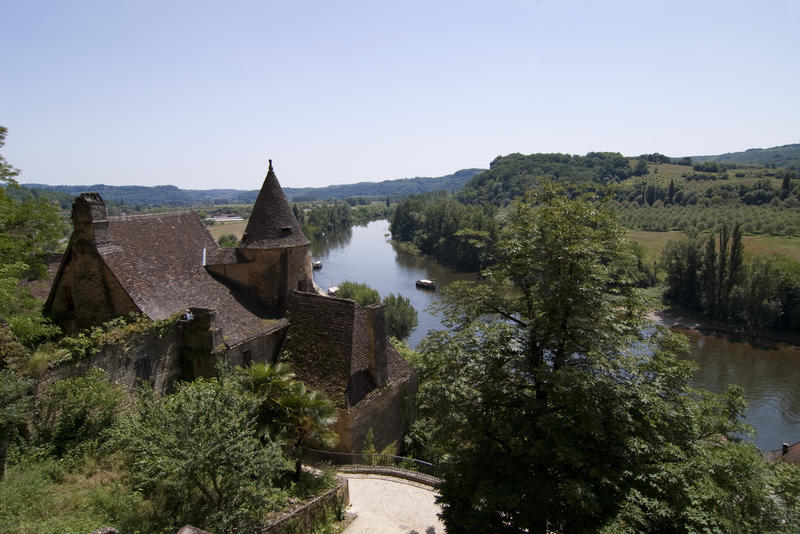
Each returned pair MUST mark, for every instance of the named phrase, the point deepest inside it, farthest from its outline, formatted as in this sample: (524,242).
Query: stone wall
(145,357)
(160,361)
(305,518)
(387,411)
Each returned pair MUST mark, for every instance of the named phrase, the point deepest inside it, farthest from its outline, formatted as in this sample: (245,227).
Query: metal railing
(385,464)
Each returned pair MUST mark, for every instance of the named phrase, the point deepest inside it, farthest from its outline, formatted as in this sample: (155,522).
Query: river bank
(710,328)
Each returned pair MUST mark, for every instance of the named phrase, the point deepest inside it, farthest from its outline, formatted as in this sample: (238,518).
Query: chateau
(253,303)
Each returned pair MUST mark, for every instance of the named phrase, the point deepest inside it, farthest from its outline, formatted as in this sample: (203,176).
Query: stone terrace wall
(144,357)
(303,520)
(387,411)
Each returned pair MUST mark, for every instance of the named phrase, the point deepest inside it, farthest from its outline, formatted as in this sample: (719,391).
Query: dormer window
(286,230)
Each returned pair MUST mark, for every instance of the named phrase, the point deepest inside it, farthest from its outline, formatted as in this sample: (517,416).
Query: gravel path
(391,505)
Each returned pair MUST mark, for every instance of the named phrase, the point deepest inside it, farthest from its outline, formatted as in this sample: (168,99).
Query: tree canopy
(553,407)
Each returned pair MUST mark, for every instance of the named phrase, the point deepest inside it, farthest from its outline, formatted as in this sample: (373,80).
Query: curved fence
(380,464)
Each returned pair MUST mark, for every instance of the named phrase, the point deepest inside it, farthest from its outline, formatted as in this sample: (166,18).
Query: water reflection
(769,373)
(322,245)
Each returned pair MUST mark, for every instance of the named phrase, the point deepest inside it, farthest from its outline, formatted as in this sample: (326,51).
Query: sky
(201,94)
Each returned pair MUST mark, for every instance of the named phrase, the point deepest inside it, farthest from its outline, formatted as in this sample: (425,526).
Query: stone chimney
(90,219)
(784,449)
(376,334)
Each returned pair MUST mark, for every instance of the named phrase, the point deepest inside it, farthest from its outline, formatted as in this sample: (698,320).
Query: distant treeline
(710,274)
(777,156)
(442,227)
(322,219)
(138,198)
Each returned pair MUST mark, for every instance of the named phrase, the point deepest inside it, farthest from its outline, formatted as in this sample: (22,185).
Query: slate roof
(157,258)
(328,344)
(272,223)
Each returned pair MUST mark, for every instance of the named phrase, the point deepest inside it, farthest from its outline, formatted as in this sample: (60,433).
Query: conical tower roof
(272,223)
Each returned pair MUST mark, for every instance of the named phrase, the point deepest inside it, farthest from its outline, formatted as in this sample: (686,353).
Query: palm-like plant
(268,383)
(309,416)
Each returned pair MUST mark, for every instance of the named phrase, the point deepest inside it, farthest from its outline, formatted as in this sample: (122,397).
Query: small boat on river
(316,264)
(332,291)
(426,284)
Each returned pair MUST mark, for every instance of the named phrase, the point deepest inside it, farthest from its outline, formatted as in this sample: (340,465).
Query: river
(769,373)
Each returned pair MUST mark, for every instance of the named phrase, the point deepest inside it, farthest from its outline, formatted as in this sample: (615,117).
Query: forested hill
(402,187)
(169,195)
(510,176)
(779,156)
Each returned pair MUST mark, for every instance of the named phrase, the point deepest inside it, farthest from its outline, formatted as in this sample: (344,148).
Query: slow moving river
(769,373)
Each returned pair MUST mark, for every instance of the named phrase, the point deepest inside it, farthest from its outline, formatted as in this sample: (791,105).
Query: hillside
(779,156)
(169,195)
(402,187)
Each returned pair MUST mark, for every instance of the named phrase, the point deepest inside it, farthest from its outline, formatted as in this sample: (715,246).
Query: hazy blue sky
(201,94)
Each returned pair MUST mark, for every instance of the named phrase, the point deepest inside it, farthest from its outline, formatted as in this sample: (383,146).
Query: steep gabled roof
(158,260)
(272,223)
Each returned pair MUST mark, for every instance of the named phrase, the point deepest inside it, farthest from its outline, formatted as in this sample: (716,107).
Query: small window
(247,358)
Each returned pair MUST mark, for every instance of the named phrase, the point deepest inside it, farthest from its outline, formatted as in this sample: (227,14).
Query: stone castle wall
(143,358)
(387,411)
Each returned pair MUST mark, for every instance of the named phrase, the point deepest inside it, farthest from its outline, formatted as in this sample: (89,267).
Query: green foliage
(119,330)
(309,416)
(327,218)
(197,451)
(14,402)
(548,389)
(712,276)
(74,413)
(445,229)
(781,156)
(509,177)
(268,383)
(228,241)
(401,317)
(21,310)
(359,292)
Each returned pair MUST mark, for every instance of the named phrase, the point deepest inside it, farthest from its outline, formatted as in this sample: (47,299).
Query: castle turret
(273,253)
(272,223)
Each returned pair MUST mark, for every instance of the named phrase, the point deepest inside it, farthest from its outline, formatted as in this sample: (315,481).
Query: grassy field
(236,228)
(661,174)
(653,243)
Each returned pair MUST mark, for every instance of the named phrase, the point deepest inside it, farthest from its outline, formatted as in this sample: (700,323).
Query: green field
(661,174)
(653,243)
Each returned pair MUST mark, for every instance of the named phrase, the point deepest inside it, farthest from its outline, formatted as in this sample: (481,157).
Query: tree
(309,416)
(198,449)
(401,317)
(14,403)
(641,167)
(74,411)
(269,383)
(553,407)
(28,229)
(359,292)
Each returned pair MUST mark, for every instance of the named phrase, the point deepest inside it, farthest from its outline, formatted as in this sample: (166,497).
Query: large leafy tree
(28,229)
(199,450)
(553,407)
